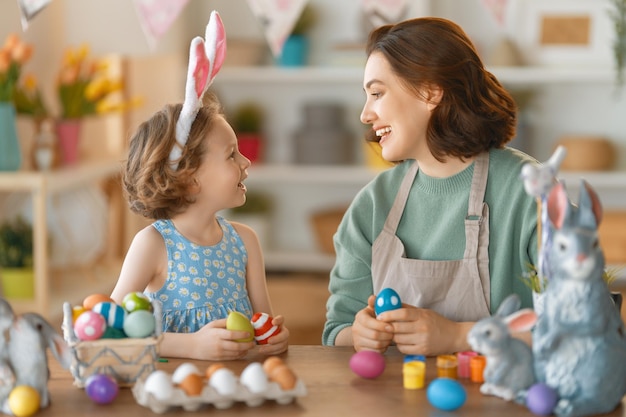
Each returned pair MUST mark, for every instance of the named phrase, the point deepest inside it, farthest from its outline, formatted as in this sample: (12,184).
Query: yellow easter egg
(77,311)
(238,321)
(24,401)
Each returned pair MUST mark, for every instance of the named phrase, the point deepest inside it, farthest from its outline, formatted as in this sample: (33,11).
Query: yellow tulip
(30,82)
(97,89)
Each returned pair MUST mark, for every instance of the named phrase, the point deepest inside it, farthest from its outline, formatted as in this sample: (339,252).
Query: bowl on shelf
(587,153)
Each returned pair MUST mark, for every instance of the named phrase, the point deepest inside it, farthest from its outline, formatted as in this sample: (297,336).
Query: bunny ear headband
(205,61)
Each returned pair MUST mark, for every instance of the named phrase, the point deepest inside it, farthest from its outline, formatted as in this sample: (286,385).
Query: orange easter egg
(192,385)
(93,299)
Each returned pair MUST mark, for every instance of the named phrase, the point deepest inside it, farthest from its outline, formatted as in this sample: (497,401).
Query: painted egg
(140,323)
(136,301)
(192,385)
(254,378)
(101,388)
(263,328)
(90,326)
(24,401)
(541,399)
(386,300)
(159,384)
(224,382)
(113,313)
(367,363)
(446,394)
(93,299)
(77,311)
(183,370)
(113,333)
(238,321)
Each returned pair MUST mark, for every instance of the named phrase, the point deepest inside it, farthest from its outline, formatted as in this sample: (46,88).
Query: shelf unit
(52,288)
(295,85)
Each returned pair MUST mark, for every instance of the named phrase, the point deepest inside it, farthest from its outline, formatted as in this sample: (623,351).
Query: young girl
(450,227)
(183,167)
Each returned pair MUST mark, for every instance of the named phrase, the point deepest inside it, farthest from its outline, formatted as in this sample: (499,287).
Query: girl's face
(223,169)
(398,116)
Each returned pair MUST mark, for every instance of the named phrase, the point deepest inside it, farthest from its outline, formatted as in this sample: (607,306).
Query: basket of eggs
(117,340)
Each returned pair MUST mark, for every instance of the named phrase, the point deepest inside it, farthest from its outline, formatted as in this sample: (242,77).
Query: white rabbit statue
(29,335)
(509,368)
(579,343)
(7,376)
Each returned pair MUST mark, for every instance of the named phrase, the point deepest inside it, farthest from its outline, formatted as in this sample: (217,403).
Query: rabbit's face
(576,253)
(487,336)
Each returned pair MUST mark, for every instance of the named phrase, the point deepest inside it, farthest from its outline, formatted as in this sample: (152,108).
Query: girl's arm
(145,265)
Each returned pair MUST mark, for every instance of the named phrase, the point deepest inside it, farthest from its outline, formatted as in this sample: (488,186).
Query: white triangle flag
(382,12)
(29,9)
(277,17)
(157,16)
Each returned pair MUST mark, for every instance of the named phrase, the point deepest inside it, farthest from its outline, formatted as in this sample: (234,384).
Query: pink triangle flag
(157,16)
(497,9)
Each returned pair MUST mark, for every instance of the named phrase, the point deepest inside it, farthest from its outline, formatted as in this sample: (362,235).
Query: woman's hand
(279,342)
(214,342)
(418,331)
(369,333)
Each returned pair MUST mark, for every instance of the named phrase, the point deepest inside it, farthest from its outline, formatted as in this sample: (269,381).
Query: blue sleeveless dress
(204,283)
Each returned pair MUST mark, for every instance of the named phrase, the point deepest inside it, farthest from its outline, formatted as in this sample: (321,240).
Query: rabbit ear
(558,205)
(590,208)
(521,321)
(510,304)
(205,61)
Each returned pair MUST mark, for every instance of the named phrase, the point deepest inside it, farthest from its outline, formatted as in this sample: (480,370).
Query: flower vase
(10,154)
(68,136)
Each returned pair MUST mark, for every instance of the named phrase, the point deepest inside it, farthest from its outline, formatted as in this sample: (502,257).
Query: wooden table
(333,390)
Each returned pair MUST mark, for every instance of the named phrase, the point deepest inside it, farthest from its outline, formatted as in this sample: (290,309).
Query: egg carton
(209,396)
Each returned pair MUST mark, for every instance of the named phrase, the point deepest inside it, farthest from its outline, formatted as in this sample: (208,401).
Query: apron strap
(395,214)
(479,185)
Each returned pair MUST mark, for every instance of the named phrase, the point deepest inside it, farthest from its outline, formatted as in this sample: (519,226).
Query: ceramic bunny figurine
(7,376)
(29,335)
(579,343)
(509,367)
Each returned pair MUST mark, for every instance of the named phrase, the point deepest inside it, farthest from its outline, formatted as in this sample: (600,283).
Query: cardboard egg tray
(210,397)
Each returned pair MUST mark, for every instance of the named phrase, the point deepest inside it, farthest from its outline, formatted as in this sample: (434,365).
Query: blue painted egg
(101,388)
(446,394)
(386,300)
(113,313)
(541,399)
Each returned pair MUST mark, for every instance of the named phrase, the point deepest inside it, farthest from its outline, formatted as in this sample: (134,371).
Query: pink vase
(68,135)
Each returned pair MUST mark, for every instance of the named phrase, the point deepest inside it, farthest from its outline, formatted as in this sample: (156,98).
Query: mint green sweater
(435,231)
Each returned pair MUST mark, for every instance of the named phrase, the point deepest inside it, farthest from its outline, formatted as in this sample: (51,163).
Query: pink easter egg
(90,325)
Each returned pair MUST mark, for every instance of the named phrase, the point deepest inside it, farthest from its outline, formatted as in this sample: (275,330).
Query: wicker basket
(325,225)
(127,360)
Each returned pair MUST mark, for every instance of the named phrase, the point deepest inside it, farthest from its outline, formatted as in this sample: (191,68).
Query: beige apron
(459,289)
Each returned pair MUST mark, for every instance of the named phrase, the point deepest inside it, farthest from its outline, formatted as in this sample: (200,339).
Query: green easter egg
(136,301)
(239,322)
(113,333)
(140,323)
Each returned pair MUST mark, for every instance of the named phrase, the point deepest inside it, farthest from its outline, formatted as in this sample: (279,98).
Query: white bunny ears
(205,61)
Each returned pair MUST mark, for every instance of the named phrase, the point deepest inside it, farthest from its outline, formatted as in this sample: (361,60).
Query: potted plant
(247,121)
(618,15)
(255,212)
(16,258)
(296,47)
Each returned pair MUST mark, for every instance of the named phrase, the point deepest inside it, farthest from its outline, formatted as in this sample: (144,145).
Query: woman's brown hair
(475,113)
(153,188)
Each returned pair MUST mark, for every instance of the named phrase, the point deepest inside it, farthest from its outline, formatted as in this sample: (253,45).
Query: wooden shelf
(52,288)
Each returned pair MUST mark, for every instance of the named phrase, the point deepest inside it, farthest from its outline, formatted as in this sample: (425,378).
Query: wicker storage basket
(325,225)
(127,360)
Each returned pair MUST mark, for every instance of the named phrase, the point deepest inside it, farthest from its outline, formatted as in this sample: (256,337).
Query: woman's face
(398,116)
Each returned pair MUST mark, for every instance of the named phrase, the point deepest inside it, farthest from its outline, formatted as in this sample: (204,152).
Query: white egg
(254,378)
(223,381)
(159,384)
(183,370)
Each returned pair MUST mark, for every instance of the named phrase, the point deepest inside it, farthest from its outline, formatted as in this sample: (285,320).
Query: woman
(450,227)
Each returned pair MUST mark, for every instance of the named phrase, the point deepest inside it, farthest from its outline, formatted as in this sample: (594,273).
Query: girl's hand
(369,333)
(279,342)
(418,331)
(215,342)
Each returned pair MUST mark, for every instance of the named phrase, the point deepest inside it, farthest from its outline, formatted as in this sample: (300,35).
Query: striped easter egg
(263,328)
(113,313)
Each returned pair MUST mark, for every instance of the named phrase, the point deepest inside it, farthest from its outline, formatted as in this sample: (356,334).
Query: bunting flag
(382,12)
(157,16)
(497,8)
(277,18)
(29,9)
